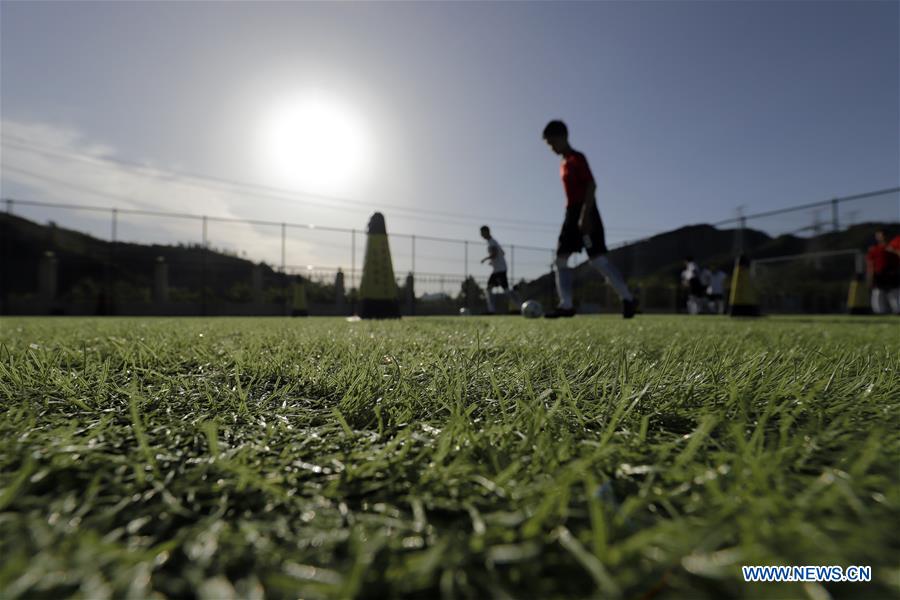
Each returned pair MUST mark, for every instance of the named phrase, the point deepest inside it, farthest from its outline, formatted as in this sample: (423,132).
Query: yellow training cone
(298,302)
(858,298)
(743,299)
(378,289)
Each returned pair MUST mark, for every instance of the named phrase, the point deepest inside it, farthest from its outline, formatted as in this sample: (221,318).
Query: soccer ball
(532,309)
(464,312)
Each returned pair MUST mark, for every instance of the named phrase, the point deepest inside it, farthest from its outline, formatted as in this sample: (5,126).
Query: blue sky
(685,110)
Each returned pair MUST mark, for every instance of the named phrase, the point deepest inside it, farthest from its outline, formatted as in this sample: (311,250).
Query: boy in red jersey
(582,227)
(883,270)
(894,245)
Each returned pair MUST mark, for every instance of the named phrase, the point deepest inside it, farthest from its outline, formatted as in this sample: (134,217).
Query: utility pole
(739,232)
(817,224)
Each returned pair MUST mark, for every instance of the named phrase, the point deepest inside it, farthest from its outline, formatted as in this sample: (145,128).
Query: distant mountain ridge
(90,261)
(655,263)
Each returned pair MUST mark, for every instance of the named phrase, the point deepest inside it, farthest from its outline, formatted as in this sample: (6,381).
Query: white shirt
(498,263)
(690,271)
(717,283)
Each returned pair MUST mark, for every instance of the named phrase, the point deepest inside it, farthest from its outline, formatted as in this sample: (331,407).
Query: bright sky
(685,111)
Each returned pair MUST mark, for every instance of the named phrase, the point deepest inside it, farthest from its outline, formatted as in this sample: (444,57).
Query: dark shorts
(696,286)
(886,280)
(498,279)
(589,236)
(716,297)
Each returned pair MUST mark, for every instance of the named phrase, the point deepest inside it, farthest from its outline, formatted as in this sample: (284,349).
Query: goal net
(814,282)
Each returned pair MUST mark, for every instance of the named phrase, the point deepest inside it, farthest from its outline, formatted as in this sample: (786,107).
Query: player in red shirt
(883,271)
(894,245)
(582,227)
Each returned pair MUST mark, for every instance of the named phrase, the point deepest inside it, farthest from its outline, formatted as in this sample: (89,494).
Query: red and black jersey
(881,260)
(894,244)
(576,177)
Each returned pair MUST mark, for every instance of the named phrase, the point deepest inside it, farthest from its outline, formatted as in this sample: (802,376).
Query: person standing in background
(883,275)
(690,279)
(497,258)
(715,291)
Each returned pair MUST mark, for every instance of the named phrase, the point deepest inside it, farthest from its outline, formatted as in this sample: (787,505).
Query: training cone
(298,300)
(742,300)
(378,289)
(858,298)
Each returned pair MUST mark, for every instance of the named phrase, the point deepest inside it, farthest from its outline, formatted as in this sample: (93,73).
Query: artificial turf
(446,457)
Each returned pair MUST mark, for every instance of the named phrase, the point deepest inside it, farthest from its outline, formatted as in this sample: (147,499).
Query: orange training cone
(858,297)
(743,300)
(298,303)
(378,289)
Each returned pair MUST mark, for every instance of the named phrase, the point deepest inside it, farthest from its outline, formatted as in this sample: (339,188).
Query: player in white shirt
(715,291)
(690,278)
(705,280)
(497,258)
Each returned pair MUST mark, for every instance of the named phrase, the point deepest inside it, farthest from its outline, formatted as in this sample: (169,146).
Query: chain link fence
(803,258)
(109,261)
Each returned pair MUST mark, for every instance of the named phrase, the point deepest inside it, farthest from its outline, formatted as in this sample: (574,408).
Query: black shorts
(498,279)
(588,235)
(886,280)
(696,286)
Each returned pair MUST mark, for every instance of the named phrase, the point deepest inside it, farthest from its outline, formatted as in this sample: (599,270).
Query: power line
(273,193)
(267,191)
(307,226)
(119,198)
(809,205)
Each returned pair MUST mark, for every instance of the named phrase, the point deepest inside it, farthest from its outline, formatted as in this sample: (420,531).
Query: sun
(314,142)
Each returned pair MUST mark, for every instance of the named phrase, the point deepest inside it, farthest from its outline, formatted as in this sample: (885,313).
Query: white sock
(613,277)
(564,281)
(893,298)
(877,297)
(490,300)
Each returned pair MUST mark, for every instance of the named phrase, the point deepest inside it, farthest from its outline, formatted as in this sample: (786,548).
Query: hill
(207,281)
(653,265)
(92,271)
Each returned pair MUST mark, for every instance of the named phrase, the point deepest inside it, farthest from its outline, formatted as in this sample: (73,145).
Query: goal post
(811,282)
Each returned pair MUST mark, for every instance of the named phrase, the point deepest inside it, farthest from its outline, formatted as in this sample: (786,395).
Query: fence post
(512,265)
(835,223)
(283,242)
(339,292)
(739,236)
(413,253)
(353,285)
(466,258)
(203,259)
(466,273)
(284,281)
(410,294)
(108,304)
(4,267)
(47,279)
(160,282)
